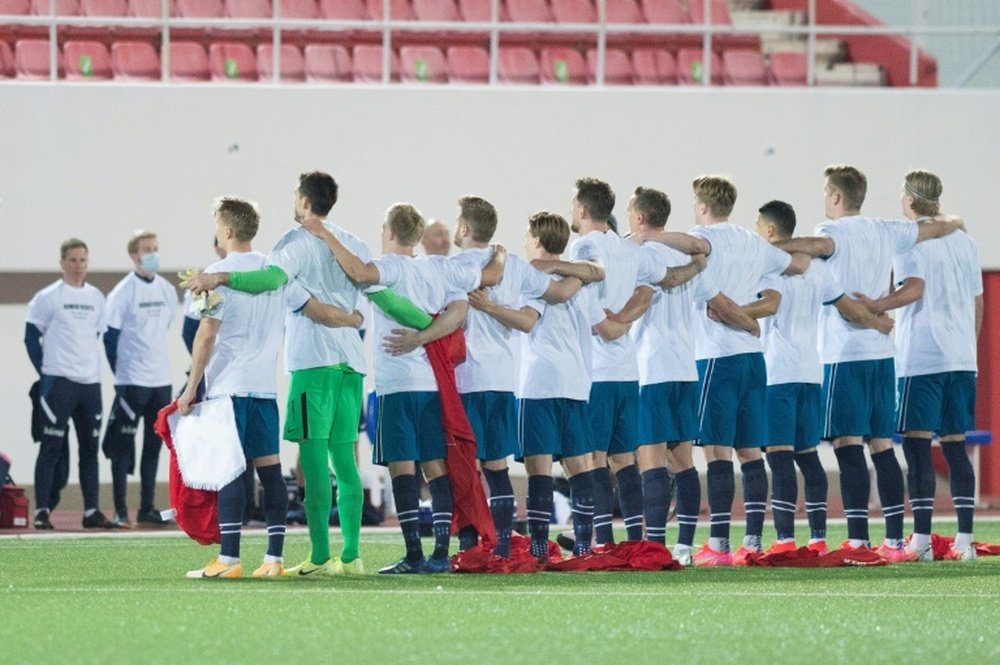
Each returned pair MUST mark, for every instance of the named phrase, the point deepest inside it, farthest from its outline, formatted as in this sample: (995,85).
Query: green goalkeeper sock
(319,497)
(350,497)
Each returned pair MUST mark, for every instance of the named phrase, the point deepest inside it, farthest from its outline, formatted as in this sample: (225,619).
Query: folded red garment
(806,558)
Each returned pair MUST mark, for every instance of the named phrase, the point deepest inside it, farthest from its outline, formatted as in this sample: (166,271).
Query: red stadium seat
(248,8)
(744,67)
(574,11)
(367,64)
(200,8)
(476,10)
(399,10)
(623,11)
(529,11)
(299,9)
(435,10)
(7,70)
(14,8)
(104,7)
(422,64)
(468,64)
(150,8)
(664,11)
(292,65)
(343,10)
(719,12)
(327,63)
(231,61)
(517,64)
(31,59)
(63,7)
(789,67)
(617,68)
(135,61)
(188,62)
(87,61)
(690,67)
(562,65)
(654,67)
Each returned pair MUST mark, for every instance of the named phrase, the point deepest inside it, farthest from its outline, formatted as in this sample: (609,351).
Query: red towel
(197,512)
(470,506)
(481,560)
(629,555)
(806,558)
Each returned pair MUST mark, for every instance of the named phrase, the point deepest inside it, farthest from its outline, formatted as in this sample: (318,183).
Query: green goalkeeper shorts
(324,403)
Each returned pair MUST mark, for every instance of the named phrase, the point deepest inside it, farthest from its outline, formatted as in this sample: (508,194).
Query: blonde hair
(139,235)
(241,215)
(406,223)
(717,192)
(850,182)
(925,188)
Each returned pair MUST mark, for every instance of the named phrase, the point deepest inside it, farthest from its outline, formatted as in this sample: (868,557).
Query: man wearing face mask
(139,310)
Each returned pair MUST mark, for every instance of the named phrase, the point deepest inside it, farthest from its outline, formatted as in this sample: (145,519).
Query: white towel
(207,444)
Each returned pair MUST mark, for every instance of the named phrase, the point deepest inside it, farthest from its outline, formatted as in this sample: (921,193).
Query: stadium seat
(367,64)
(14,8)
(477,10)
(788,67)
(719,12)
(654,67)
(690,67)
(6,61)
(343,10)
(231,61)
(623,11)
(188,62)
(31,59)
(150,8)
(664,11)
(299,10)
(200,8)
(562,65)
(617,68)
(529,11)
(63,7)
(574,11)
(86,61)
(744,67)
(435,10)
(327,63)
(517,64)
(399,10)
(468,64)
(422,64)
(292,64)
(104,7)
(135,61)
(248,8)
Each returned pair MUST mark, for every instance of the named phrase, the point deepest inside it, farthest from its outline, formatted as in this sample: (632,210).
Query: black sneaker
(152,518)
(566,540)
(42,521)
(97,520)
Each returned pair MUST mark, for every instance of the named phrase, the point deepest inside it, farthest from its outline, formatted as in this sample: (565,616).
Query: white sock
(920,541)
(854,542)
(719,544)
(40,511)
(962,541)
(228,560)
(813,541)
(272,559)
(89,511)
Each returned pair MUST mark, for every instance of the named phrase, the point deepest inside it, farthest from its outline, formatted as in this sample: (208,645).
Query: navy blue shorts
(409,428)
(668,412)
(613,411)
(944,403)
(733,404)
(859,399)
(257,425)
(793,413)
(493,416)
(557,427)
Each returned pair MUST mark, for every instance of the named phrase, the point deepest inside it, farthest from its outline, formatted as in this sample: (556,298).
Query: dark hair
(481,217)
(597,197)
(72,243)
(654,205)
(552,231)
(320,189)
(782,215)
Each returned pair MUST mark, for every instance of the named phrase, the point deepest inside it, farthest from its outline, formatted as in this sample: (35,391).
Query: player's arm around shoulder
(523,319)
(359,271)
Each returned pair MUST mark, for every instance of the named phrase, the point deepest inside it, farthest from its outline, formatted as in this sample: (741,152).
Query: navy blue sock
(920,480)
(406,494)
(688,505)
(603,506)
(855,489)
(539,513)
(963,483)
(231,500)
(441,504)
(630,500)
(468,538)
(581,487)
(656,503)
(275,506)
(501,508)
(721,492)
(754,498)
(889,478)
(815,486)
(784,492)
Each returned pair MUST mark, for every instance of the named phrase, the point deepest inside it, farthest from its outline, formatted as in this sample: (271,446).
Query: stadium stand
(327,63)
(654,67)
(517,64)
(6,61)
(788,68)
(436,10)
(344,10)
(135,61)
(562,65)
(690,67)
(104,7)
(292,63)
(468,64)
(617,67)
(200,8)
(62,7)
(574,11)
(87,61)
(299,10)
(31,59)
(248,8)
(188,62)
(744,67)
(718,12)
(367,64)
(399,10)
(422,64)
(149,8)
(232,61)
(15,7)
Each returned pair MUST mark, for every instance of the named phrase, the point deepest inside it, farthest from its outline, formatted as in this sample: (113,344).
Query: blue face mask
(150,262)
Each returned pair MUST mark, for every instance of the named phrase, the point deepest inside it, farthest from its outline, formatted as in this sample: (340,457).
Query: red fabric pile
(637,555)
(806,558)
(942,545)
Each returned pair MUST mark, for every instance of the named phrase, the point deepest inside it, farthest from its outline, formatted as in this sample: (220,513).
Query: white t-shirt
(489,359)
(245,358)
(625,266)
(790,336)
(938,332)
(71,321)
(143,311)
(861,263)
(739,261)
(556,357)
(306,259)
(430,283)
(665,335)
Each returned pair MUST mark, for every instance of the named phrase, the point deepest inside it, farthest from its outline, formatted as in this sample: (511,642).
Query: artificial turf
(125,600)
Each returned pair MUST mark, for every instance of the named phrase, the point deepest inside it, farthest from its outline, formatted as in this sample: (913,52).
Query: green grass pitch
(125,600)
